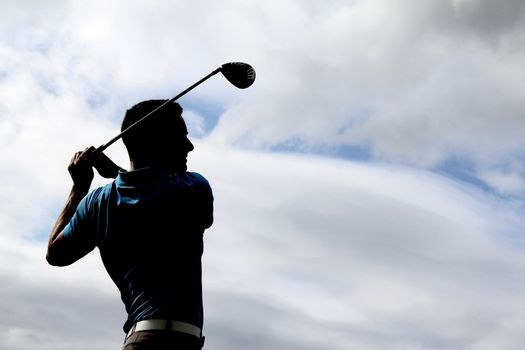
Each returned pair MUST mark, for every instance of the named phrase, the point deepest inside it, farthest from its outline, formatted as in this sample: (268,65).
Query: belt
(168,325)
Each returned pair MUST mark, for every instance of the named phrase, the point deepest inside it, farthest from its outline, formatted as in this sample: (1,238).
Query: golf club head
(240,74)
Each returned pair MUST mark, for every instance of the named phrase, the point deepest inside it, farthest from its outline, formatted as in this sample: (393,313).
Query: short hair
(149,137)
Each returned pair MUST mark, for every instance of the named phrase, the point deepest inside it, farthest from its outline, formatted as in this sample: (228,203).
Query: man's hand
(81,170)
(105,166)
(81,167)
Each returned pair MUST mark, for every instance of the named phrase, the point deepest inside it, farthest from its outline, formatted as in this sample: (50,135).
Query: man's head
(161,140)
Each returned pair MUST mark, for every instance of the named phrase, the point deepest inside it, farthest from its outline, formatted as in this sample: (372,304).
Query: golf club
(240,74)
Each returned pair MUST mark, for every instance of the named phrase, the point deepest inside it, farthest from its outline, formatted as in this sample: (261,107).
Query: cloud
(315,253)
(416,82)
(409,81)
(55,308)
(372,257)
(489,20)
(508,179)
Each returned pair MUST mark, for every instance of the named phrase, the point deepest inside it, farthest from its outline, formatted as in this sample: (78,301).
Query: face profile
(178,147)
(161,141)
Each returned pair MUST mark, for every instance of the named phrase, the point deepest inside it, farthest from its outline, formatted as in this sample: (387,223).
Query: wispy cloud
(368,256)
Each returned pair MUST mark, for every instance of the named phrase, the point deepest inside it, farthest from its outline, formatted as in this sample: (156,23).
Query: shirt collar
(142,176)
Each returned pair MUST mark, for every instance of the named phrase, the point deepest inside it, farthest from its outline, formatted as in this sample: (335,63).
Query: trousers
(161,340)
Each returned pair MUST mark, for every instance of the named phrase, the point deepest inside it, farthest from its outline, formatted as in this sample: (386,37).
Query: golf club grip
(116,138)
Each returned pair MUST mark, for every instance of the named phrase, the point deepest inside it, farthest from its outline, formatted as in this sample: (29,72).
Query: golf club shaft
(110,142)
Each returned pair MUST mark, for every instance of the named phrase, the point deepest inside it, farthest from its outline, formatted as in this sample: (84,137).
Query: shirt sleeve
(207,203)
(81,229)
(204,201)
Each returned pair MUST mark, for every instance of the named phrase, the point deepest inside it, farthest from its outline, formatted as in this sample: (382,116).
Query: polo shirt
(149,226)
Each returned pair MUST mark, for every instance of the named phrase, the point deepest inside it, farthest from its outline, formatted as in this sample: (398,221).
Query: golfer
(148,224)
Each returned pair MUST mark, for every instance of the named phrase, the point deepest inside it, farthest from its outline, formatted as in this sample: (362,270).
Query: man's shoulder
(98,193)
(197,181)
(197,177)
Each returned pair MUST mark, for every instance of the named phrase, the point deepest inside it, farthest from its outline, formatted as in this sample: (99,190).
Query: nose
(189,146)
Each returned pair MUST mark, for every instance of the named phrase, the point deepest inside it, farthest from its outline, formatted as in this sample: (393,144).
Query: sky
(369,187)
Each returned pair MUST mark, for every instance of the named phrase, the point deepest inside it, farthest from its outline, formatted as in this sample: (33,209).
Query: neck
(135,165)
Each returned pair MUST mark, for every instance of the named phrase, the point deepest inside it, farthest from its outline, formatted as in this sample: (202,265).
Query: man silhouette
(148,224)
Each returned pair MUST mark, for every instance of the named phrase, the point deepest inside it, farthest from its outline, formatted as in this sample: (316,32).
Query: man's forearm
(75,196)
(81,171)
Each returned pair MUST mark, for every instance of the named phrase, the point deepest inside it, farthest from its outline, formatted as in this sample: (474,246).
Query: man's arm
(61,251)
(58,251)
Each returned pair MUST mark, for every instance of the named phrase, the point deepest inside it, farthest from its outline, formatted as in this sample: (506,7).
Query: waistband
(168,325)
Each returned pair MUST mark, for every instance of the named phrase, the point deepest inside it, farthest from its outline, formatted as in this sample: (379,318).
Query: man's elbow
(51,259)
(54,260)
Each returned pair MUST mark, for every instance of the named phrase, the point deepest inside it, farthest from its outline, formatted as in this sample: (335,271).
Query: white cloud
(508,180)
(375,257)
(195,123)
(416,82)
(416,85)
(315,253)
